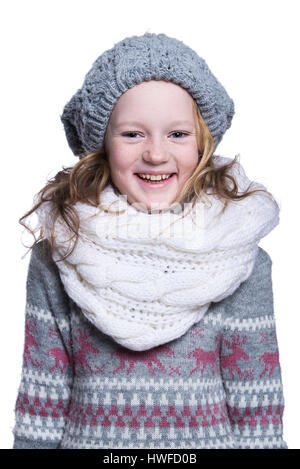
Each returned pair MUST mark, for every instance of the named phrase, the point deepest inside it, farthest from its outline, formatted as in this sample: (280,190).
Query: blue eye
(179,132)
(133,134)
(130,133)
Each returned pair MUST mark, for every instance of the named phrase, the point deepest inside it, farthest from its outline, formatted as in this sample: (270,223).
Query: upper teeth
(155,178)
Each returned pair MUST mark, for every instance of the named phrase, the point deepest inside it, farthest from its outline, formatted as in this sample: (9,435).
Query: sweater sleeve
(249,362)
(47,373)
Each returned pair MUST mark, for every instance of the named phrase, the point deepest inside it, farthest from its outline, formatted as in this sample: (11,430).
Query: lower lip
(155,185)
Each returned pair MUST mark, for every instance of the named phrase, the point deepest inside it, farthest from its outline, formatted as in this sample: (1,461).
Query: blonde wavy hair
(85,181)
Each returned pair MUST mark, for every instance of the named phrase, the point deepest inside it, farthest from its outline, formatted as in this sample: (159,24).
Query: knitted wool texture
(134,60)
(217,386)
(117,272)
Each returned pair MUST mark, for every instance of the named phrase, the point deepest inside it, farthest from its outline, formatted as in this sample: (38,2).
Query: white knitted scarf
(143,279)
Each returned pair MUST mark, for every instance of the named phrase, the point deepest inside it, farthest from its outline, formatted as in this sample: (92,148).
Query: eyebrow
(136,123)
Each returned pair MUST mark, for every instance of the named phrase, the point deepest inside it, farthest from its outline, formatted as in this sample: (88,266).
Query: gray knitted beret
(134,60)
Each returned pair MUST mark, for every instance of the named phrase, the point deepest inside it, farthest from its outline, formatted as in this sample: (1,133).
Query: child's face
(142,137)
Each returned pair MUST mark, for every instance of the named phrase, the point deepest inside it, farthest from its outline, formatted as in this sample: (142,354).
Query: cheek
(119,162)
(121,157)
(188,163)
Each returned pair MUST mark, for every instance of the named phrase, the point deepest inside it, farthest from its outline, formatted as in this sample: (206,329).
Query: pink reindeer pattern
(30,342)
(238,353)
(270,361)
(86,347)
(149,357)
(206,357)
(60,355)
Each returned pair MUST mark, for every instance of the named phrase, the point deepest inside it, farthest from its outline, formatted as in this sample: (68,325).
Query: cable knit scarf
(144,279)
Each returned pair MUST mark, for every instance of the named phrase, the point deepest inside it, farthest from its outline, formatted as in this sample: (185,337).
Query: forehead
(154,98)
(155,89)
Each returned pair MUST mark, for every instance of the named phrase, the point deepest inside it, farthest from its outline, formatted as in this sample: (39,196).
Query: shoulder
(261,273)
(263,258)
(43,279)
(40,262)
(254,297)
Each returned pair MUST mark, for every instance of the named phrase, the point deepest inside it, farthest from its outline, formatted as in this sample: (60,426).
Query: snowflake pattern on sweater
(218,386)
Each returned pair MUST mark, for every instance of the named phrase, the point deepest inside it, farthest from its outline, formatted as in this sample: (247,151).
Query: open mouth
(152,183)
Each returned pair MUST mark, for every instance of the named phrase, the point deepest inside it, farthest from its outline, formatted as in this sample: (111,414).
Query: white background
(251,47)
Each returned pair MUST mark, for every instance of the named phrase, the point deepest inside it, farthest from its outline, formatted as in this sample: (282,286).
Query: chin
(158,204)
(151,202)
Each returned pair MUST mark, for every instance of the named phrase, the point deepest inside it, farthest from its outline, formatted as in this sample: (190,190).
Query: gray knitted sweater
(217,386)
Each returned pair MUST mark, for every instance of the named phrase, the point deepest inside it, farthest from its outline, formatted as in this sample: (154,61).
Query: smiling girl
(149,311)
(141,140)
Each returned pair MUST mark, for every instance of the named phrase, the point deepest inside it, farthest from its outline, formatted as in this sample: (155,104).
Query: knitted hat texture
(134,60)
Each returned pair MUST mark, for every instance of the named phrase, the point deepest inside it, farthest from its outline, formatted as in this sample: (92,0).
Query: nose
(155,153)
